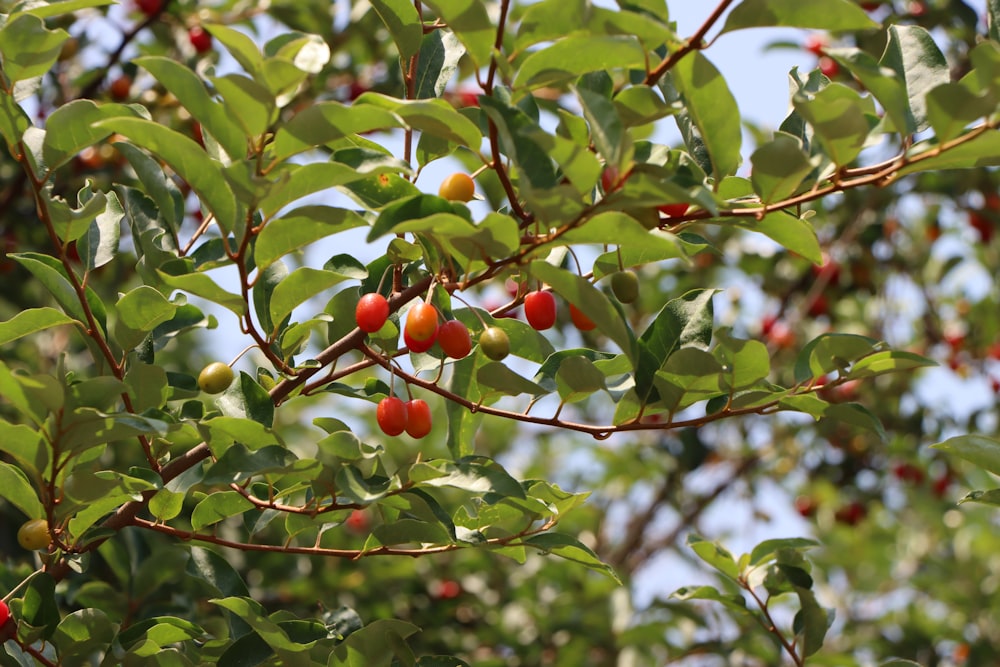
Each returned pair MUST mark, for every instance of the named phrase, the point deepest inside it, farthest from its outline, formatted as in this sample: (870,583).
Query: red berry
(829,67)
(422,322)
(454,339)
(815,44)
(805,506)
(941,484)
(673,210)
(372,312)
(581,321)
(418,418)
(447,590)
(917,8)
(417,346)
(149,7)
(540,310)
(610,179)
(120,89)
(982,224)
(4,613)
(908,472)
(358,522)
(391,415)
(851,514)
(870,6)
(201,40)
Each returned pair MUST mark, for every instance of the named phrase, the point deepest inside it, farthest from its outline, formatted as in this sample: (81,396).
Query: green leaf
(192,93)
(831,15)
(577,379)
(40,608)
(498,377)
(470,21)
(60,7)
(14,122)
(516,131)
(188,159)
(298,287)
(882,83)
(606,127)
(990,497)
(249,103)
(570,548)
(568,58)
(980,450)
(144,308)
(787,230)
(201,285)
(82,633)
(242,48)
(71,128)
(475,473)
(686,321)
(370,645)
(28,48)
(214,571)
(324,122)
(32,321)
(247,399)
(218,506)
(440,53)
(918,62)
(744,362)
(779,167)
(768,548)
(403,22)
(812,622)
(951,107)
(713,110)
(715,555)
(435,117)
(887,361)
(733,602)
(831,352)
(50,272)
(841,118)
(15,487)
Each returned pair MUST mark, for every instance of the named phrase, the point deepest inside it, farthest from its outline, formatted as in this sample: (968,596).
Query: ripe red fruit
(149,7)
(870,6)
(851,514)
(815,44)
(447,590)
(358,522)
(940,485)
(372,312)
(418,418)
(120,88)
(454,339)
(422,322)
(673,210)
(908,472)
(418,345)
(610,179)
(917,8)
(805,506)
(201,40)
(982,224)
(581,321)
(391,415)
(829,67)
(4,613)
(819,306)
(540,309)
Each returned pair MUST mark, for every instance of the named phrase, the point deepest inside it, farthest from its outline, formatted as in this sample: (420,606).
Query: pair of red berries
(540,311)
(394,416)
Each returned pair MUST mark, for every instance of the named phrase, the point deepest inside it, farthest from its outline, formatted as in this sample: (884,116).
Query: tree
(372,487)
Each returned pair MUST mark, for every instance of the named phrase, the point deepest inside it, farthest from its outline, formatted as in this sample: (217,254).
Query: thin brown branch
(694,43)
